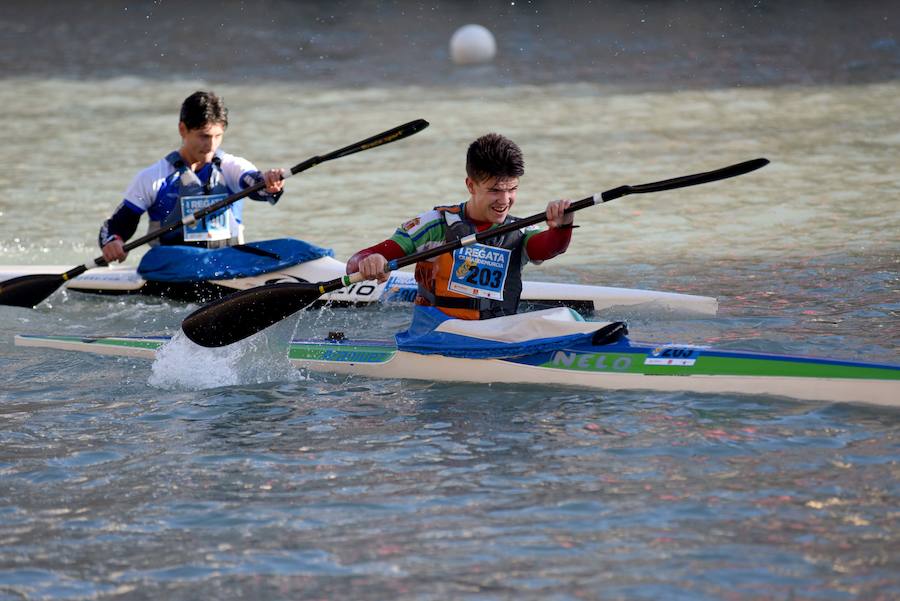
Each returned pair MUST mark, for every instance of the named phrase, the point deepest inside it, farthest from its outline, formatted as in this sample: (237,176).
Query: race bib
(479,271)
(215,226)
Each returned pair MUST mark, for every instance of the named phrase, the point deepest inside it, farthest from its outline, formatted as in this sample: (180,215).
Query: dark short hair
(493,155)
(201,108)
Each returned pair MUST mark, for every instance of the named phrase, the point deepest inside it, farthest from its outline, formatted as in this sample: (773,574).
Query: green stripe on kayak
(342,353)
(715,366)
(142,343)
(795,369)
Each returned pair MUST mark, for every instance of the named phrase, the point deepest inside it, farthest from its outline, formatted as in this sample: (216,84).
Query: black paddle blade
(687,180)
(244,313)
(391,135)
(702,178)
(29,290)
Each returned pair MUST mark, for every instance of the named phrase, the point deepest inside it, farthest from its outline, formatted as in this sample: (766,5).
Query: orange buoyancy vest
(433,276)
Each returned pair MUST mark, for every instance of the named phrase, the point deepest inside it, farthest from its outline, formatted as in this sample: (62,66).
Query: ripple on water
(228,476)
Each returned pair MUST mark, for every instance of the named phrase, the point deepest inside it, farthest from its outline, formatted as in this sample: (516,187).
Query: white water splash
(182,365)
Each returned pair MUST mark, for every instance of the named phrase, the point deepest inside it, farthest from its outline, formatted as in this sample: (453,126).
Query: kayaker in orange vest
(477,281)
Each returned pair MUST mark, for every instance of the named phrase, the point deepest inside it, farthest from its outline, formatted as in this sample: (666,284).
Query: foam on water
(183,365)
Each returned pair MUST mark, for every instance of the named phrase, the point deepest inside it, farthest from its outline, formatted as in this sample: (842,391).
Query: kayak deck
(622,365)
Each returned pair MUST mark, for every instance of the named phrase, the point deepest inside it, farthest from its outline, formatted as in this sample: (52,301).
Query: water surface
(239,478)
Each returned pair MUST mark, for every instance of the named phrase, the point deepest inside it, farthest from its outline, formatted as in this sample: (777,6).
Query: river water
(243,479)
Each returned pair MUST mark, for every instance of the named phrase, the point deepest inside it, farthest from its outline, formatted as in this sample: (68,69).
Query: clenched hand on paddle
(247,312)
(30,290)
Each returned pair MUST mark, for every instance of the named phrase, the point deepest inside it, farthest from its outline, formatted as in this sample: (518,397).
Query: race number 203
(479,271)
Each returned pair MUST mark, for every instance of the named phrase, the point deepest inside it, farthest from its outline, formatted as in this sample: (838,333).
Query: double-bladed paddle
(247,312)
(30,290)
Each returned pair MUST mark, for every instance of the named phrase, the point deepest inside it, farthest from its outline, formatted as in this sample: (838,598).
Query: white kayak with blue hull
(190,275)
(563,351)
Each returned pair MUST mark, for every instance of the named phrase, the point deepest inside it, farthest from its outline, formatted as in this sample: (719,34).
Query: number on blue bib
(479,271)
(215,226)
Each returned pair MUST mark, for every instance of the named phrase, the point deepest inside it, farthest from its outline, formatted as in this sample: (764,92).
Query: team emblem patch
(465,267)
(411,224)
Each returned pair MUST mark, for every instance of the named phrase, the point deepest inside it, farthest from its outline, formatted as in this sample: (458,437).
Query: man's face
(200,145)
(492,198)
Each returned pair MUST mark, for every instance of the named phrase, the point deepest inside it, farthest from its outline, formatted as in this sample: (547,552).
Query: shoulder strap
(174,159)
(452,214)
(185,174)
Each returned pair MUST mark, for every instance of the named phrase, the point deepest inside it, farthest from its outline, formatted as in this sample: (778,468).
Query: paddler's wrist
(111,238)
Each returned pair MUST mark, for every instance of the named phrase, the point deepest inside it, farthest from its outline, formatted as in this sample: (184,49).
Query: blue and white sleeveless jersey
(157,190)
(154,190)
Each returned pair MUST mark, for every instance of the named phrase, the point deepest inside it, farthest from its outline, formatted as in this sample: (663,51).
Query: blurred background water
(118,482)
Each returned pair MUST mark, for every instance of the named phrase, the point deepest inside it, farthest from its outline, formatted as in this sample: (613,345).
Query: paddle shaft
(397,133)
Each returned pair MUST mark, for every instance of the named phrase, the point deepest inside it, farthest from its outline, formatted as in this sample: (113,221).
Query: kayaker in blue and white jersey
(478,281)
(188,179)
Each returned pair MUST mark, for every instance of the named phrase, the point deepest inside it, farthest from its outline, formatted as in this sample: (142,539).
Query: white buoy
(472,44)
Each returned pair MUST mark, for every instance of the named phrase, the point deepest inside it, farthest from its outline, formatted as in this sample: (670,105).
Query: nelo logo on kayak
(590,361)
